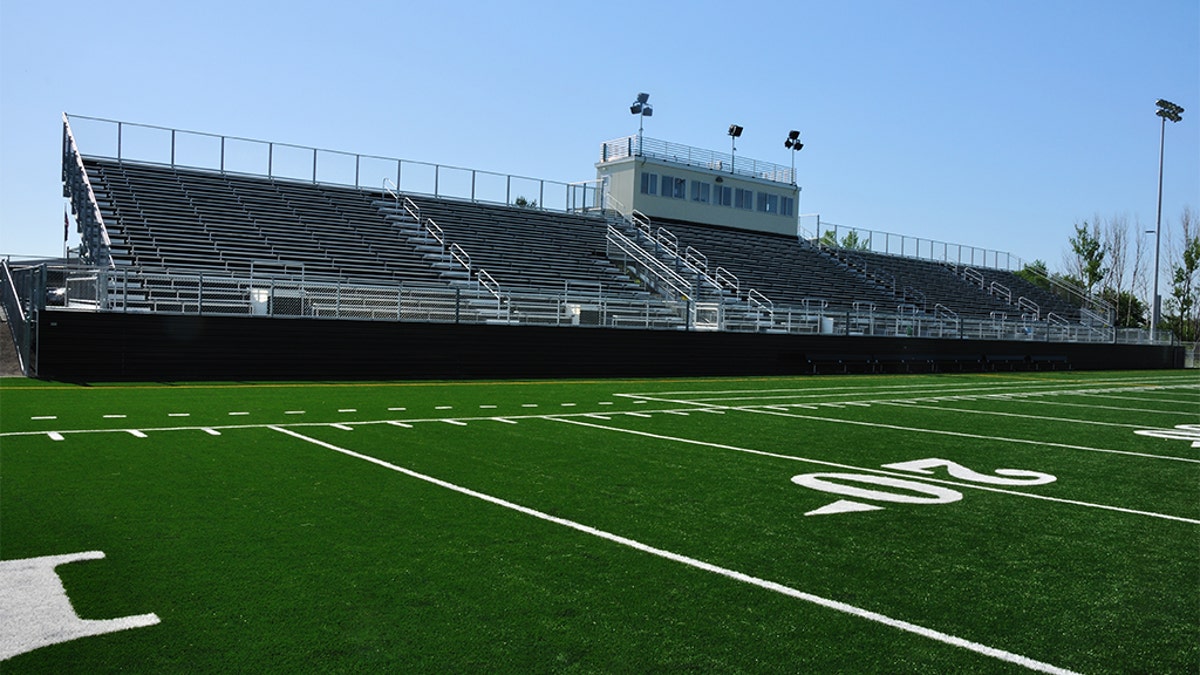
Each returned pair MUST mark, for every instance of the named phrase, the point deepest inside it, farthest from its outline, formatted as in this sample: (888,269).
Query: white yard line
(997,413)
(898,474)
(845,608)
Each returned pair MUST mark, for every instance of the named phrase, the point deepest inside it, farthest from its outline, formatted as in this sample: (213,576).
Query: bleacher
(200,221)
(782,268)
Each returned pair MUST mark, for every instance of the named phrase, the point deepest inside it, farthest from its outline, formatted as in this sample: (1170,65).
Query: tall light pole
(1167,111)
(734,132)
(642,109)
(792,142)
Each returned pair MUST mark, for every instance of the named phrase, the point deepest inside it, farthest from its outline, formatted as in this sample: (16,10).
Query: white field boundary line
(1029,388)
(773,410)
(894,474)
(705,398)
(963,434)
(852,610)
(998,413)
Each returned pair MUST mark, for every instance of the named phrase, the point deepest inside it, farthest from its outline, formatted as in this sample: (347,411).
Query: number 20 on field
(874,490)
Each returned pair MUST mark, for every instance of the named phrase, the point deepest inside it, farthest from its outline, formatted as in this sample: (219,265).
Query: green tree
(1036,273)
(1185,287)
(1089,252)
(522,203)
(1131,311)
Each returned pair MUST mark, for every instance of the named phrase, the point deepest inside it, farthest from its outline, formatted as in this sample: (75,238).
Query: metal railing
(132,290)
(19,320)
(128,141)
(851,238)
(95,245)
(677,153)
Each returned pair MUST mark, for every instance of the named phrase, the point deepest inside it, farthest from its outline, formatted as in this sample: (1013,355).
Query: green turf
(260,551)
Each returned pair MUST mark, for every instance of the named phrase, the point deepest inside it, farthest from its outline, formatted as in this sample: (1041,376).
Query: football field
(1044,522)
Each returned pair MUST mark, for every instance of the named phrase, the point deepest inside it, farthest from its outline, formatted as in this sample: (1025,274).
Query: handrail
(654,267)
(460,256)
(939,310)
(728,280)
(488,283)
(1056,320)
(17,319)
(696,258)
(1026,304)
(641,146)
(413,210)
(833,235)
(435,231)
(974,276)
(998,289)
(759,300)
(641,221)
(668,240)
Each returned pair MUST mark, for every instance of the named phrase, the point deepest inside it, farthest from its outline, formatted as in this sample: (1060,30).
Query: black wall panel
(77,346)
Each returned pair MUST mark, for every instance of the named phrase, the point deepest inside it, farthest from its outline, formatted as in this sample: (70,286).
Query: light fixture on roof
(734,132)
(642,108)
(792,142)
(1167,111)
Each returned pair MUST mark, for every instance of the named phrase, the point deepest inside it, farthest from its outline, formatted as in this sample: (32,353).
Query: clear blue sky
(996,124)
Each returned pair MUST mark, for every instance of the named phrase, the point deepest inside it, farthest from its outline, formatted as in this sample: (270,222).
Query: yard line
(179,414)
(293,412)
(347,410)
(114,417)
(135,433)
(963,434)
(501,419)
(845,608)
(55,436)
(443,407)
(529,405)
(343,427)
(808,460)
(211,432)
(43,418)
(677,412)
(402,425)
(397,409)
(455,423)
(596,416)
(1141,399)
(1009,414)
(487,407)
(637,414)
(1091,406)
(239,413)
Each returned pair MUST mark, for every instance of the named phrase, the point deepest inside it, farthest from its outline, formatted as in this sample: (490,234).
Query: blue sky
(995,124)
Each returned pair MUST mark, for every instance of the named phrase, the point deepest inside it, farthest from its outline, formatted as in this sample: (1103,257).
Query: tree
(1131,311)
(1035,273)
(1087,260)
(522,203)
(1185,285)
(850,241)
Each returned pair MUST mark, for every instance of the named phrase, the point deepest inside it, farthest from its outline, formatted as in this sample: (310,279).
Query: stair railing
(1028,306)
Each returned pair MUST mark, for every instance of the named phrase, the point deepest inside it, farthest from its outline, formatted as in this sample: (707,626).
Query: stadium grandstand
(214,256)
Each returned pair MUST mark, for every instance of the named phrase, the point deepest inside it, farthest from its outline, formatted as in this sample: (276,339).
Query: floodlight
(793,135)
(643,97)
(649,111)
(1167,111)
(642,108)
(636,108)
(735,130)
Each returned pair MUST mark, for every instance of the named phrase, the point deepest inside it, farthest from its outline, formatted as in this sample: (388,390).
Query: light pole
(642,109)
(1167,111)
(792,142)
(734,132)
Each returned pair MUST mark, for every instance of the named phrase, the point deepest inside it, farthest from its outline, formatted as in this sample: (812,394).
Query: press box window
(674,187)
(787,206)
(768,203)
(723,196)
(649,183)
(701,191)
(743,199)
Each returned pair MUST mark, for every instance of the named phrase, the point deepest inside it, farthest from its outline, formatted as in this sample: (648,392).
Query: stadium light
(1167,111)
(734,132)
(642,108)
(792,142)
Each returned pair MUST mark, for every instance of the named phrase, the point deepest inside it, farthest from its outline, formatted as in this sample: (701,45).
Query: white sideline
(845,608)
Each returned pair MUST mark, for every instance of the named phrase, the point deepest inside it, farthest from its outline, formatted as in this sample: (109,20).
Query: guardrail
(639,146)
(129,290)
(19,320)
(129,141)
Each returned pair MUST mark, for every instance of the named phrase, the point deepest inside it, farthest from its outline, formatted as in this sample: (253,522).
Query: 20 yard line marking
(726,572)
(861,469)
